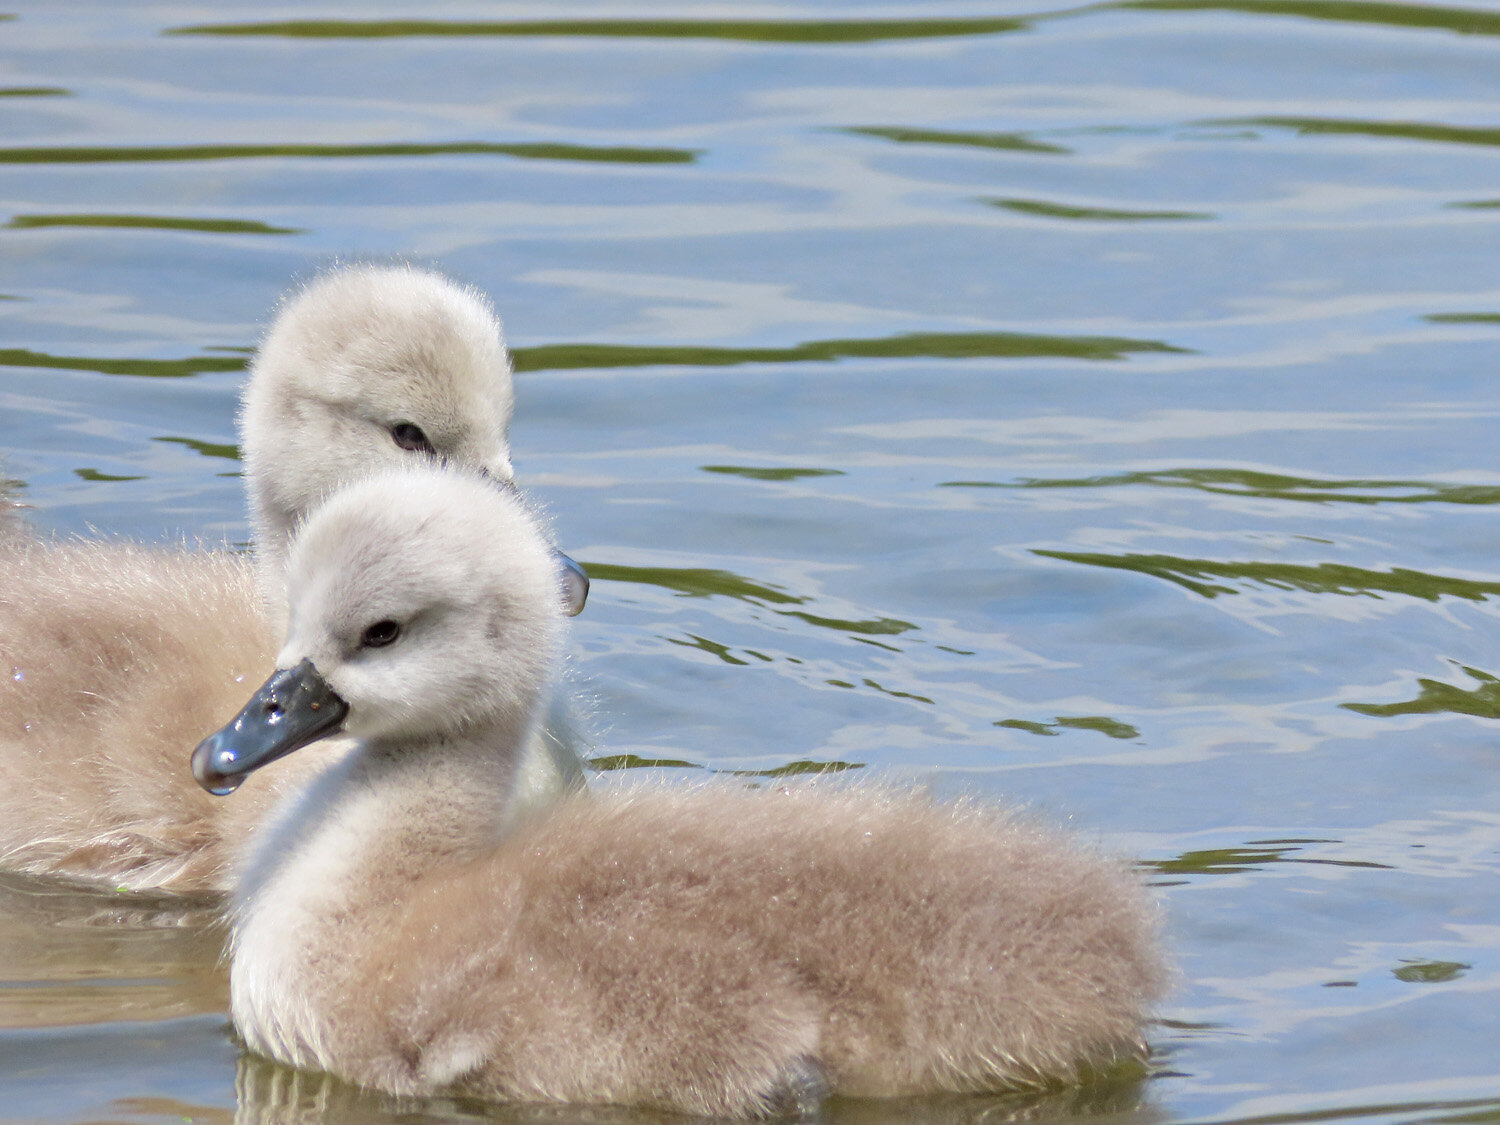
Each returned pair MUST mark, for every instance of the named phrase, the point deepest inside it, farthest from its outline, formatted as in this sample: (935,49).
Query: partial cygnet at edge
(715,950)
(116,659)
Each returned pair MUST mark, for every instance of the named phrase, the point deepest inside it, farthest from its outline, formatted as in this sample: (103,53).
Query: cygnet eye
(409,435)
(380,634)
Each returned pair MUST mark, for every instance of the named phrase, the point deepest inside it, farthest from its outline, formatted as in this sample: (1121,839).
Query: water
(1089,407)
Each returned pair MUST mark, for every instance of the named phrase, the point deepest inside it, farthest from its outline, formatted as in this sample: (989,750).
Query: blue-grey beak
(293,708)
(575,583)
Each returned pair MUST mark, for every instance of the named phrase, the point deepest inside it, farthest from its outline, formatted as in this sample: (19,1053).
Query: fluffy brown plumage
(728,952)
(114,659)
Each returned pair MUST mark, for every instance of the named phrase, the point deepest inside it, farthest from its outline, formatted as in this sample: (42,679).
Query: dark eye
(409,435)
(380,634)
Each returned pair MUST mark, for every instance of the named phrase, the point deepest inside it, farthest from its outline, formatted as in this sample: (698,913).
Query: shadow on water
(1266,486)
(1319,578)
(1436,697)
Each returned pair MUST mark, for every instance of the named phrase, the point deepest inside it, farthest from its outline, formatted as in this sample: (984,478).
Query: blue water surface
(1089,407)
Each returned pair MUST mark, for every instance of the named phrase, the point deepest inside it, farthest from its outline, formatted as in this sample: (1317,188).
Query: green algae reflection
(104,365)
(1048,210)
(915,345)
(145,154)
(693,582)
(1250,856)
(1435,696)
(1003,142)
(1110,728)
(148,222)
(1399,130)
(749,31)
(1464,21)
(1266,486)
(205,448)
(704,582)
(1431,972)
(769,474)
(1463,318)
(1208,577)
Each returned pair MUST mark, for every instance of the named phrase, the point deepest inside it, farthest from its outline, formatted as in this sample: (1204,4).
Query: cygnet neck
(393,809)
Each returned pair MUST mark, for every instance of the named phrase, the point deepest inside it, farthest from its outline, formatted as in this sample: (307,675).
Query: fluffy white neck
(362,833)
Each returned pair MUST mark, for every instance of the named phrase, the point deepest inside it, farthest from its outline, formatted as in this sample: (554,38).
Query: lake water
(1092,407)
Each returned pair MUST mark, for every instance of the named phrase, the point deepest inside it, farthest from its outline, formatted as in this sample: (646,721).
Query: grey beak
(293,708)
(575,583)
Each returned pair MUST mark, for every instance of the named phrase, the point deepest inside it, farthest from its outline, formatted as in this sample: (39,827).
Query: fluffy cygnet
(116,659)
(717,950)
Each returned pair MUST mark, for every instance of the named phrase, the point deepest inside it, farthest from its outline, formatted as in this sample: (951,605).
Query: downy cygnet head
(370,367)
(423,602)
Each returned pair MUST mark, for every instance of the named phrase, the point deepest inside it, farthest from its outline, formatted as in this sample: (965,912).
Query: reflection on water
(1403,130)
(616,154)
(1320,578)
(1251,857)
(1049,210)
(753,31)
(753,473)
(1104,725)
(73,958)
(1389,13)
(914,345)
(1268,486)
(148,222)
(1435,696)
(153,368)
(269,1094)
(692,582)
(1006,142)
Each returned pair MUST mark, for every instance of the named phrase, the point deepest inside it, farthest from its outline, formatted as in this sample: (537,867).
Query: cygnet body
(717,950)
(115,659)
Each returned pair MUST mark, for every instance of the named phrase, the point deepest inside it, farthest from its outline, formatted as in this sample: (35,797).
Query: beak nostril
(273,709)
